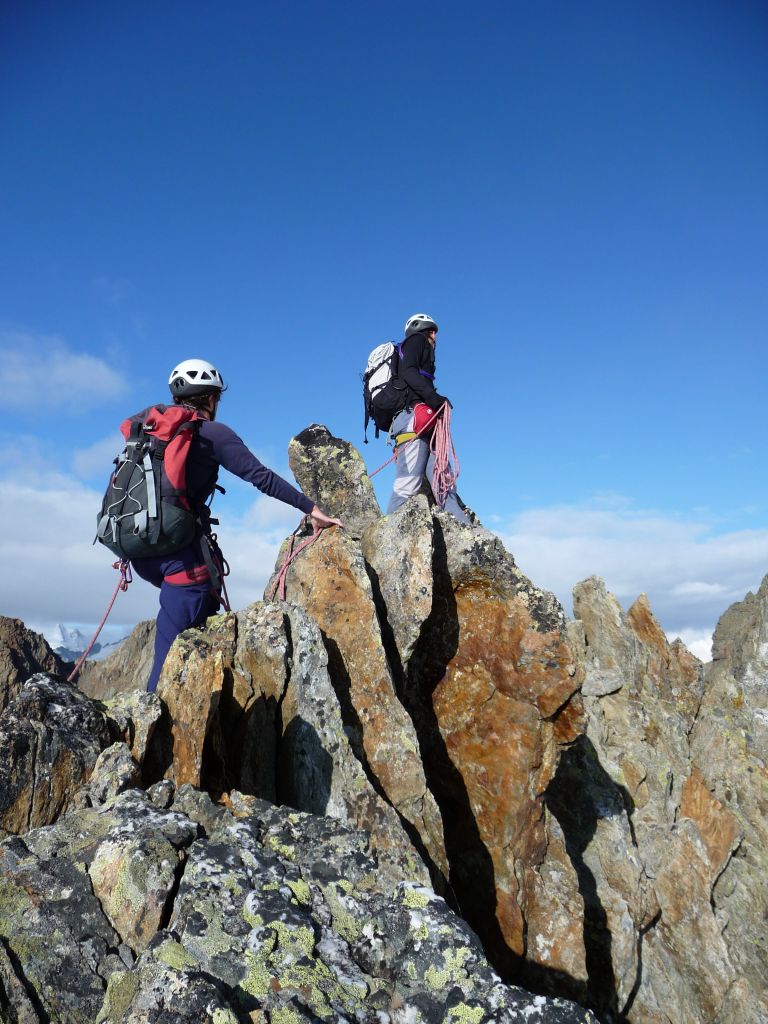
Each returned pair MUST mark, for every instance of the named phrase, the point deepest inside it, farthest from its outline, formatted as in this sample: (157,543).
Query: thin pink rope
(444,476)
(126,577)
(418,434)
(279,583)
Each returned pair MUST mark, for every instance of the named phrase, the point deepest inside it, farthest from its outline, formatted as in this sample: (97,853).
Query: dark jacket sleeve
(417,355)
(231,453)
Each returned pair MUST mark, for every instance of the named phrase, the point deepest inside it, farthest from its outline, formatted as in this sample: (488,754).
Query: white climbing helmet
(195,377)
(419,322)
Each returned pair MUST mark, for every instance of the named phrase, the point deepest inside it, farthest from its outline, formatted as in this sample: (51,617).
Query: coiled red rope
(126,577)
(441,445)
(444,475)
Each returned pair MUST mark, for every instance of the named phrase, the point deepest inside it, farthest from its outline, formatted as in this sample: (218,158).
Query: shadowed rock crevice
(340,681)
(471,887)
(35,1002)
(579,796)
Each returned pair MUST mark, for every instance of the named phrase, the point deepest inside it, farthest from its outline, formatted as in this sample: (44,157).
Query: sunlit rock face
(641,798)
(328,791)
(729,798)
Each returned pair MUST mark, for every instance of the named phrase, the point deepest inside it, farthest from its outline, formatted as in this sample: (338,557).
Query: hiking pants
(186,597)
(414,462)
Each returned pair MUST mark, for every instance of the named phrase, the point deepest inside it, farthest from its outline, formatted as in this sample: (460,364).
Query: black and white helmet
(195,377)
(419,322)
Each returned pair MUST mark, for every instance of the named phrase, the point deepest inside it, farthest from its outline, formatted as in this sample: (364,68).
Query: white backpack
(380,370)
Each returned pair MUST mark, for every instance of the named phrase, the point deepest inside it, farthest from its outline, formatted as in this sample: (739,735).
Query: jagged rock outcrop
(132,913)
(22,654)
(646,833)
(332,473)
(728,795)
(50,739)
(126,669)
(588,800)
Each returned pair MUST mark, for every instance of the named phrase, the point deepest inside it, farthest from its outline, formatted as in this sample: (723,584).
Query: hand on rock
(320,521)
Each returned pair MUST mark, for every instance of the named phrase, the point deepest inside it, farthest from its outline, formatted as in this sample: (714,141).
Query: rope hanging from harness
(403,439)
(444,476)
(278,585)
(126,577)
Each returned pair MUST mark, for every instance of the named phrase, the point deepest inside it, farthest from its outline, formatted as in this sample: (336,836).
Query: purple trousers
(186,597)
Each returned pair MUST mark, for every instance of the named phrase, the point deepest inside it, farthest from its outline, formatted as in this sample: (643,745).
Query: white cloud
(690,573)
(43,372)
(698,642)
(96,460)
(52,571)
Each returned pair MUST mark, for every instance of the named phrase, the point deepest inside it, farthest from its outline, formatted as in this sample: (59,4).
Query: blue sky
(576,192)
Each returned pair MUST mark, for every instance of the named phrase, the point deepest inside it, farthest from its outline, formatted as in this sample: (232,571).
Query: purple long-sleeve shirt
(216,444)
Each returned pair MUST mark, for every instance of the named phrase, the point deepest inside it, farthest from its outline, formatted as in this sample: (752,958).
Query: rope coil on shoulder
(126,577)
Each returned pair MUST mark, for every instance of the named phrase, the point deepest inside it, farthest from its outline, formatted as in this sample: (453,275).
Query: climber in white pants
(415,461)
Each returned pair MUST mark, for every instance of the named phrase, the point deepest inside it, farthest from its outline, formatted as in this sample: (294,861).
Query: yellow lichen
(301,891)
(463,1014)
(414,899)
(174,955)
(224,1017)
(452,971)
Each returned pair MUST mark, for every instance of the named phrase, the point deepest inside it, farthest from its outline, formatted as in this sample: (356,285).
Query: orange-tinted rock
(329,580)
(491,670)
(717,827)
(190,686)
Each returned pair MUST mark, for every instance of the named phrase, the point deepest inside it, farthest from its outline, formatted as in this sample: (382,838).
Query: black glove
(440,400)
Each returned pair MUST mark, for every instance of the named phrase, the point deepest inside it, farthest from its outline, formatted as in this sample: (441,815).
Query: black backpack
(146,509)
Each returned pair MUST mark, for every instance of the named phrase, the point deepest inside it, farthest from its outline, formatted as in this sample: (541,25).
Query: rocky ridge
(422,729)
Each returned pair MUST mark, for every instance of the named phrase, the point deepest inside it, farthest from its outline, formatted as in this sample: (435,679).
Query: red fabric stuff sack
(422,414)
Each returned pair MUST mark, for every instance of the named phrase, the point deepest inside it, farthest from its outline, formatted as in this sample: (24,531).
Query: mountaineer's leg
(410,463)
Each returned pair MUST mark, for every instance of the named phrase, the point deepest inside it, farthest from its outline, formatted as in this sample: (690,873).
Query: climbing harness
(126,577)
(279,583)
(403,439)
(444,477)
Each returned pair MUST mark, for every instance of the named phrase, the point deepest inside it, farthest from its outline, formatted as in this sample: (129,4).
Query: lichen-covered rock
(288,911)
(126,669)
(165,987)
(114,772)
(330,581)
(50,738)
(645,828)
(23,653)
(133,718)
(275,916)
(332,473)
(728,792)
(398,550)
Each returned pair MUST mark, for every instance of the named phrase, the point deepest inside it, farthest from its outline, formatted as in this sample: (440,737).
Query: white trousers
(415,461)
